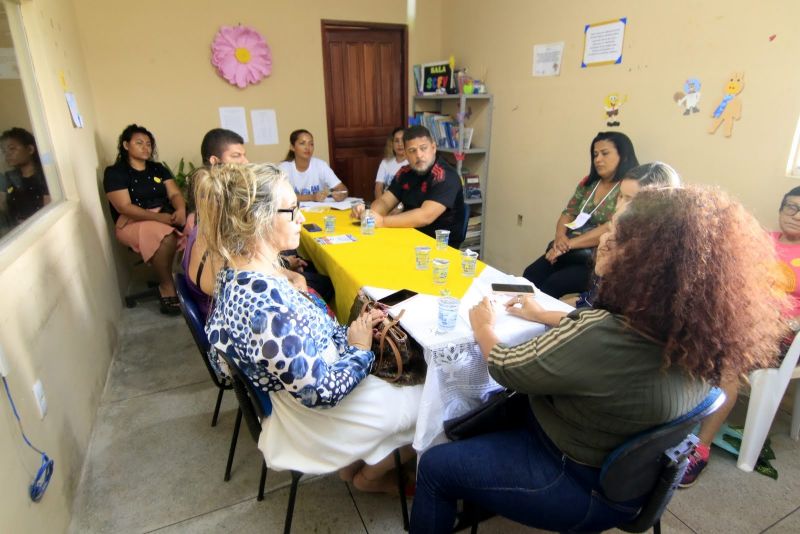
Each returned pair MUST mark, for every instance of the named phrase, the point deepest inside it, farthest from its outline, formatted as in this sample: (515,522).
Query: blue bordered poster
(602,42)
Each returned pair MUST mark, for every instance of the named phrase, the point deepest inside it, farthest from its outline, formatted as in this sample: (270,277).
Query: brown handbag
(398,357)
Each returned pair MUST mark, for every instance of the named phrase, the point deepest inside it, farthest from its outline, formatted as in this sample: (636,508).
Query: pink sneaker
(698,460)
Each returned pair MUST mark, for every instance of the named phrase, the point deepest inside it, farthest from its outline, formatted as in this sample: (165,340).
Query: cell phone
(311,227)
(513,289)
(397,297)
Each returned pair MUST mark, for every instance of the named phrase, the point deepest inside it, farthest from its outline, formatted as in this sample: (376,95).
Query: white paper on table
(510,329)
(234,119)
(343,205)
(336,239)
(265,126)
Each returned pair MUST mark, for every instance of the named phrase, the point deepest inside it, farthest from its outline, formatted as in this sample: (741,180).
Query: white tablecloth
(458,379)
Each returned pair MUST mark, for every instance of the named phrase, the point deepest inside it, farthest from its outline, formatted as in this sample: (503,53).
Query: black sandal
(170,305)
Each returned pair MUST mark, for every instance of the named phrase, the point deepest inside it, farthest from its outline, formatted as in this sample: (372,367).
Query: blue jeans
(518,474)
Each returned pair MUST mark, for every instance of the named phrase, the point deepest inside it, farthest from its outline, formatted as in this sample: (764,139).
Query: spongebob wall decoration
(612,103)
(730,108)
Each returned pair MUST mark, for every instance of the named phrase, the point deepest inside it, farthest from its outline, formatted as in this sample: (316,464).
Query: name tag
(579,221)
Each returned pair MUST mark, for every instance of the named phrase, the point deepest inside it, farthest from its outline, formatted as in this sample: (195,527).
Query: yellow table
(386,259)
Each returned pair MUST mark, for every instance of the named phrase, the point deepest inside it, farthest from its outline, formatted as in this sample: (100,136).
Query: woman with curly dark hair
(686,297)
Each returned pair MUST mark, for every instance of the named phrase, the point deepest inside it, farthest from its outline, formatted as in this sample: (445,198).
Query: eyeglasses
(294,211)
(790,209)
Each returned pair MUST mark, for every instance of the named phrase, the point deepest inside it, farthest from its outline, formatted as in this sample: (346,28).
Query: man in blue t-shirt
(429,189)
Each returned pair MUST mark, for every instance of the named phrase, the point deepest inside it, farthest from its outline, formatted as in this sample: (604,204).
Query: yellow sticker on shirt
(795,262)
(10,189)
(786,279)
(156,179)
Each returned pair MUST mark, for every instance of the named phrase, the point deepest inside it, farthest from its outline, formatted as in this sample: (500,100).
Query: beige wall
(543,126)
(58,278)
(60,302)
(154,67)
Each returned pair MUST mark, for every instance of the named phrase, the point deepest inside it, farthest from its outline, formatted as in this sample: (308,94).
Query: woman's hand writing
(482,315)
(524,306)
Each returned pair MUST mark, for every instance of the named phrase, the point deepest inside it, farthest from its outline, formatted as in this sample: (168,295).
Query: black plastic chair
(649,465)
(195,322)
(256,405)
(652,464)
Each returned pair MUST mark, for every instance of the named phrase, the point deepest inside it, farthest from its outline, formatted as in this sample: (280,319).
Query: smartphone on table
(397,297)
(513,289)
(311,227)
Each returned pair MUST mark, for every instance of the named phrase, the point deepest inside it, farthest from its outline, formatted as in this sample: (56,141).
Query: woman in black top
(23,188)
(147,207)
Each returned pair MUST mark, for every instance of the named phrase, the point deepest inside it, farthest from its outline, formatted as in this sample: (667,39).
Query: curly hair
(693,269)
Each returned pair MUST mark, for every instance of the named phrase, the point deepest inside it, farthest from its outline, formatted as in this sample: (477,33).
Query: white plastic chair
(767,387)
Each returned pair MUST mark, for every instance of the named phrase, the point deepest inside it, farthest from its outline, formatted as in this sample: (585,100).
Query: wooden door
(365,94)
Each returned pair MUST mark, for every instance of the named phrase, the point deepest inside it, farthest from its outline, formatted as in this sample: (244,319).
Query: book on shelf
(472,185)
(443,128)
(473,233)
(467,138)
(471,242)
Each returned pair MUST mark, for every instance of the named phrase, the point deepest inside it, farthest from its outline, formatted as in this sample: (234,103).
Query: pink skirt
(143,237)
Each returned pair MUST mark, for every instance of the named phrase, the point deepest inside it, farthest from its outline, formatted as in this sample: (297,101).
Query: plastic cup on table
(440,266)
(469,260)
(423,257)
(448,314)
(442,237)
(330,224)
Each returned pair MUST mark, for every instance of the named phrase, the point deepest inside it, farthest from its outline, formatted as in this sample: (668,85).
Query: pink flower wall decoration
(241,55)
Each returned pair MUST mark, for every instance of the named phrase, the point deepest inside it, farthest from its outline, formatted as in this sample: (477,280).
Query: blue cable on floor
(42,478)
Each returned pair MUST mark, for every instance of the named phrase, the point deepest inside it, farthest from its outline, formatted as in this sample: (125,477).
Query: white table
(458,379)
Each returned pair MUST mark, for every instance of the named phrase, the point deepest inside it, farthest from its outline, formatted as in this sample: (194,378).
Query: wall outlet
(3,362)
(41,400)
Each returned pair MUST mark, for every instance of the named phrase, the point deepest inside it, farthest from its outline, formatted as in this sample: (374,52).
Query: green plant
(181,173)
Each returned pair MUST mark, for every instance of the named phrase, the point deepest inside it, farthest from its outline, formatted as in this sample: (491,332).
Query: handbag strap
(395,349)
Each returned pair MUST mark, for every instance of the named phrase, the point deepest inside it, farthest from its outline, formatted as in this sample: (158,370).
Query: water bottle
(368,223)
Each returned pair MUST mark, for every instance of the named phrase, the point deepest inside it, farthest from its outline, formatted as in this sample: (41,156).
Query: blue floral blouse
(278,338)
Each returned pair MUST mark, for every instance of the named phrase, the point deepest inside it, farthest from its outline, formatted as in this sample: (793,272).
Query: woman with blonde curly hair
(686,297)
(328,412)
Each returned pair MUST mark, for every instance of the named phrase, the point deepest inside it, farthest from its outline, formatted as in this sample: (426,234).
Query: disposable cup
(442,237)
(448,314)
(469,261)
(440,266)
(423,257)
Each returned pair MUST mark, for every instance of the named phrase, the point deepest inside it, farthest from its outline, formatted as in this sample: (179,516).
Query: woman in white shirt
(394,160)
(311,178)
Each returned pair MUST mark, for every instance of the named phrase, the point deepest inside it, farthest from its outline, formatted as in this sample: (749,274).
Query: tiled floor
(155,464)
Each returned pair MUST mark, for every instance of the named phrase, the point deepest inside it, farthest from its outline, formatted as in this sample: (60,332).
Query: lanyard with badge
(584,217)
